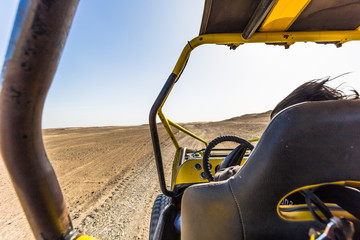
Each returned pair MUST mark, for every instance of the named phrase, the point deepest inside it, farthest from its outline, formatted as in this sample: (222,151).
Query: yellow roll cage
(234,40)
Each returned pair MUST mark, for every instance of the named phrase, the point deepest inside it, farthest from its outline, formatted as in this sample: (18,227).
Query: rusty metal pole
(36,43)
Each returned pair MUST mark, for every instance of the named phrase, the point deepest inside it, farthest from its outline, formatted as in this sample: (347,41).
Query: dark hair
(314,90)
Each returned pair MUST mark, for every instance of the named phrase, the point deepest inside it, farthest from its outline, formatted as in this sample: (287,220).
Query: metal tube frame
(160,100)
(180,128)
(258,17)
(36,43)
(231,39)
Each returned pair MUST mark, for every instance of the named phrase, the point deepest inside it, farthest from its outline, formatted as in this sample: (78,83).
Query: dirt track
(108,175)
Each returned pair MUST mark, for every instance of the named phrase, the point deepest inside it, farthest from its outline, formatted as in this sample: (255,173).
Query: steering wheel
(240,149)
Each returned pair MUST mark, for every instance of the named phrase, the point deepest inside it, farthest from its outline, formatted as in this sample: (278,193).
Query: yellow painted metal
(85,237)
(168,129)
(283,15)
(188,174)
(283,215)
(307,216)
(236,39)
(165,122)
(176,166)
(243,161)
(186,131)
(264,37)
(254,140)
(358,29)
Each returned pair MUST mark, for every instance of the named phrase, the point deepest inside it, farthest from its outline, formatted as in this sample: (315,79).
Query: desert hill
(108,175)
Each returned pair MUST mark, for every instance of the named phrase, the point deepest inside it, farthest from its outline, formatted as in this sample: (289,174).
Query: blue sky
(119,54)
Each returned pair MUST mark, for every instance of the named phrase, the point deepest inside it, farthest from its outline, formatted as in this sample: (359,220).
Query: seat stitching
(239,210)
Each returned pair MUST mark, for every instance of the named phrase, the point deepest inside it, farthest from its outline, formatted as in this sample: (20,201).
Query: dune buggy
(307,152)
(306,148)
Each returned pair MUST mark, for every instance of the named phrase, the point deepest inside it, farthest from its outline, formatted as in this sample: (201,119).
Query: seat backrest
(306,144)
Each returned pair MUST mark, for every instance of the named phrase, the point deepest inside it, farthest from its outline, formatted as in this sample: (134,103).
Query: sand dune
(108,175)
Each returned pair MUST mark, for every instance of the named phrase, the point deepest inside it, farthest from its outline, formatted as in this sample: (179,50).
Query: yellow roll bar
(288,38)
(187,132)
(234,40)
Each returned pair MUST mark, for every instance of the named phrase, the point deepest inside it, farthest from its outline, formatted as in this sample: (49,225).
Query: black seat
(306,144)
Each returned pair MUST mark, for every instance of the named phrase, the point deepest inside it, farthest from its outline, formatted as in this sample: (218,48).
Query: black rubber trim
(306,209)
(154,133)
(258,17)
(213,143)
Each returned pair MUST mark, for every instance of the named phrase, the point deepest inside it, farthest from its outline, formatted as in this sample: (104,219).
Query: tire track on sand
(125,214)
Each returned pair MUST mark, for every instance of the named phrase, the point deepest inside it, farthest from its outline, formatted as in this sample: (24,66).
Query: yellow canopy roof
(251,16)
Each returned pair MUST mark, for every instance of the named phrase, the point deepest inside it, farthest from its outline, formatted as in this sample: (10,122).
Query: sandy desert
(108,175)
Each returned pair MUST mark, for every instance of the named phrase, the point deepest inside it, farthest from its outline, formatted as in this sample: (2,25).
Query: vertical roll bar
(154,133)
(36,43)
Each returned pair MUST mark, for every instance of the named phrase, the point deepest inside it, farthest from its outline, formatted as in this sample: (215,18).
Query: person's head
(315,90)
